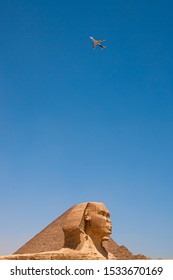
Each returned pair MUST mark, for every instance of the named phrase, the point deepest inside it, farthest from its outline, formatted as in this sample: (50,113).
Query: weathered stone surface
(80,233)
(65,254)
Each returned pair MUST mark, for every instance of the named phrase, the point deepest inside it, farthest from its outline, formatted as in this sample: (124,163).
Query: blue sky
(78,124)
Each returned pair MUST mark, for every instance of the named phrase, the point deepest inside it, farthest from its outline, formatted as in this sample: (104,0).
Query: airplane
(97,43)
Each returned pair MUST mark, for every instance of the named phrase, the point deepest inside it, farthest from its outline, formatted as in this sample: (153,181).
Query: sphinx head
(97,220)
(87,220)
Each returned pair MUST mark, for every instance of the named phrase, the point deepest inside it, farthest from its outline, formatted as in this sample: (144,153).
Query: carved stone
(82,233)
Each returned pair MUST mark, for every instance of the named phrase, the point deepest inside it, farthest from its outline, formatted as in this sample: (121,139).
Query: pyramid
(51,238)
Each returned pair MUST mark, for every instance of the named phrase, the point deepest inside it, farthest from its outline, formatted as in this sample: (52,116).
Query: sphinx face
(98,220)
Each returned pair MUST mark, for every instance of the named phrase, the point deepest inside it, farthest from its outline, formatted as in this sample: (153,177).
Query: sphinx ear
(87,217)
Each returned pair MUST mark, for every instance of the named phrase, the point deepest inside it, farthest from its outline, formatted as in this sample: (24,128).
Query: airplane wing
(101,46)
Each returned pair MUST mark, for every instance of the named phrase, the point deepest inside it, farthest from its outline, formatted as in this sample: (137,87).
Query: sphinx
(87,230)
(81,233)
